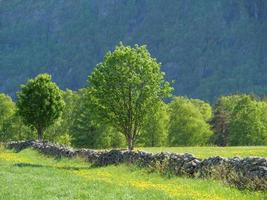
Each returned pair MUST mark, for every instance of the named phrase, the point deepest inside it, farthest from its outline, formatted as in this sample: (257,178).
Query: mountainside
(209,47)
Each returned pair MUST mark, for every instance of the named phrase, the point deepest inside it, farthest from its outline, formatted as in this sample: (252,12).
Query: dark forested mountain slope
(210,47)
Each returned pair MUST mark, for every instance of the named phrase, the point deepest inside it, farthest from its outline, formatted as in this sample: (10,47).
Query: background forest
(210,47)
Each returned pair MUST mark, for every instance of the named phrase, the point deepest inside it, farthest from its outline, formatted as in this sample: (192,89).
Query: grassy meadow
(30,175)
(204,152)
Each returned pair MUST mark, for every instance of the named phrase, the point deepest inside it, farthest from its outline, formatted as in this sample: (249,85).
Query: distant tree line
(125,104)
(210,47)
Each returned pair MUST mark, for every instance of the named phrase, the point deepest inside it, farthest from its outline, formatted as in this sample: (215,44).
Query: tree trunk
(40,134)
(130,143)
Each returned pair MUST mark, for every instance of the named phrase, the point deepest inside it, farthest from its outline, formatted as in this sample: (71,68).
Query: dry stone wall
(249,172)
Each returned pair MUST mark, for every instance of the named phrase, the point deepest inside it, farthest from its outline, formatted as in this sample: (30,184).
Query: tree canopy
(126,87)
(40,103)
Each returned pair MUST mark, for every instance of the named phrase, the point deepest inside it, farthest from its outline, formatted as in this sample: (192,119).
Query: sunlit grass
(204,152)
(30,175)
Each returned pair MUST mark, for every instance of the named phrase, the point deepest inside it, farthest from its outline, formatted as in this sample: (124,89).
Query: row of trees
(124,104)
(234,120)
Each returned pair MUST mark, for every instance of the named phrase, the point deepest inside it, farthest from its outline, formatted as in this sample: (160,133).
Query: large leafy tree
(187,124)
(126,87)
(40,103)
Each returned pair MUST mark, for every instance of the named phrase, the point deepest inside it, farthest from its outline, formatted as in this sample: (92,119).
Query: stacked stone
(20,145)
(54,149)
(250,172)
(88,154)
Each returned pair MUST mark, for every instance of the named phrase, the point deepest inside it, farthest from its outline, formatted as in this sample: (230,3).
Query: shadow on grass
(49,166)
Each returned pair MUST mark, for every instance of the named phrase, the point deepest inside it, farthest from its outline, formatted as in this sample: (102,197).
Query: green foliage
(126,87)
(14,130)
(187,124)
(223,113)
(239,120)
(60,131)
(248,127)
(86,130)
(204,108)
(40,103)
(155,130)
(11,125)
(7,110)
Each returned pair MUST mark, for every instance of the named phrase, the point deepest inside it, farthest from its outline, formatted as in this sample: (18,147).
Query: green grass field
(29,175)
(204,152)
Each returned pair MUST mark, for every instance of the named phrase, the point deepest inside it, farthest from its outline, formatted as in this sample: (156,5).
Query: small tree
(40,103)
(126,87)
